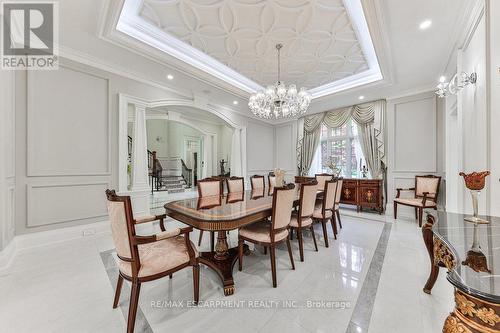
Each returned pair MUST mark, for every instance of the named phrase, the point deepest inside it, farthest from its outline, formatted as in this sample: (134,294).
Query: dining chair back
(257,181)
(235,184)
(209,187)
(321,178)
(283,198)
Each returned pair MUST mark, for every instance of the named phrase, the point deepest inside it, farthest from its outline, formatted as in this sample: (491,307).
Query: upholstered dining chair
(338,195)
(257,181)
(146,258)
(271,180)
(235,184)
(209,187)
(321,178)
(302,219)
(271,234)
(426,193)
(324,211)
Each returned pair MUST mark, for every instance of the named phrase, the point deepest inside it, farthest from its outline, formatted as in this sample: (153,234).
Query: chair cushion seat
(417,202)
(159,256)
(318,213)
(305,222)
(260,232)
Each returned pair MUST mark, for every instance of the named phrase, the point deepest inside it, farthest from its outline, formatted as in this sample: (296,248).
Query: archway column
(140,180)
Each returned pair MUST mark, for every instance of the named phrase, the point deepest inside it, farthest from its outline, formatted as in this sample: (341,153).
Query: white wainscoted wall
(285,147)
(260,148)
(467,119)
(493,95)
(7,160)
(473,116)
(66,132)
(415,144)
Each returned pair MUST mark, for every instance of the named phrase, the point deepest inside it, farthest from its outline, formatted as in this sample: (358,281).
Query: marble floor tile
(69,286)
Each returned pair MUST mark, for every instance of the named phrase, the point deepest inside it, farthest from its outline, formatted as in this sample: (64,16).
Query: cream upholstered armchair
(147,258)
(426,193)
(302,219)
(324,212)
(270,234)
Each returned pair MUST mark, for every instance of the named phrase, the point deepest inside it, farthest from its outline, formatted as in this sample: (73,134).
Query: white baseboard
(37,239)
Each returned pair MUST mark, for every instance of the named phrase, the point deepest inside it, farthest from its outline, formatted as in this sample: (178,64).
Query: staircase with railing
(187,174)
(166,174)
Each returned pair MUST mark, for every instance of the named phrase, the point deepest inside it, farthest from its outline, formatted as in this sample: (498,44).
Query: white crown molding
(425,89)
(87,59)
(129,30)
(464,30)
(374,14)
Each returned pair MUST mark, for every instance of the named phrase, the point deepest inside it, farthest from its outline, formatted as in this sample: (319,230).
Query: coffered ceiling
(320,44)
(327,44)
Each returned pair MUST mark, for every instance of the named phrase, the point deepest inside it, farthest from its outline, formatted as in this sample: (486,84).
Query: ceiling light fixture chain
(278,101)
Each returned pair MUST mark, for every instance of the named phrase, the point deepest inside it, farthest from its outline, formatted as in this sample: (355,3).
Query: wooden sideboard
(363,193)
(359,192)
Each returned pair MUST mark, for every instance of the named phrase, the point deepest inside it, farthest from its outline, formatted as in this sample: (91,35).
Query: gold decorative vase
(475,183)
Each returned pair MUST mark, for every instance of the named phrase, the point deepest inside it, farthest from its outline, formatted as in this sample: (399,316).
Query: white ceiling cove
(327,45)
(320,44)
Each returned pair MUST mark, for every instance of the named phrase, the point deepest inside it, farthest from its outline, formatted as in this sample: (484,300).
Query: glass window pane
(324,154)
(324,131)
(339,131)
(354,129)
(354,159)
(339,154)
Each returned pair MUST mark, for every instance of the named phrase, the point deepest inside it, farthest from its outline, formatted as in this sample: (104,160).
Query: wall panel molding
(31,125)
(60,202)
(427,128)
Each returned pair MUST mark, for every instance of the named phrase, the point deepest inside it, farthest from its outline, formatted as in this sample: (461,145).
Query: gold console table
(471,255)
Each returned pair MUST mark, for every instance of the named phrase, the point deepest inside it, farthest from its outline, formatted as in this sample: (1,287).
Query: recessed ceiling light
(425,24)
(361,97)
(235,102)
(170,77)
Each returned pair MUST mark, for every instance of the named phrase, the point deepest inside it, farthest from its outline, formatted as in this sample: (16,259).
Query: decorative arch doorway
(139,191)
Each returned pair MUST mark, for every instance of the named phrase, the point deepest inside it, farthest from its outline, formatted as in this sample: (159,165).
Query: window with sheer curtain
(340,145)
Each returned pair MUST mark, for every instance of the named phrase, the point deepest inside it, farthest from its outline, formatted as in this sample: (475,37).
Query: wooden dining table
(221,214)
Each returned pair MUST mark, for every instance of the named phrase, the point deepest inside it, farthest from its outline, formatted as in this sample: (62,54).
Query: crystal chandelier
(457,83)
(277,101)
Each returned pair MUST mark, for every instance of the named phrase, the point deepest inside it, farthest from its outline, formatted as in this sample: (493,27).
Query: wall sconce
(457,83)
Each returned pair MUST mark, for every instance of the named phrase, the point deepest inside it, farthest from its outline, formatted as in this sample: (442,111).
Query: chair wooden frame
(419,209)
(323,175)
(337,203)
(135,262)
(298,230)
(257,177)
(272,244)
(235,178)
(269,176)
(221,192)
(324,209)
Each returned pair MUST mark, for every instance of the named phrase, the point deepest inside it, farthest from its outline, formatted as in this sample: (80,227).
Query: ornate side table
(471,255)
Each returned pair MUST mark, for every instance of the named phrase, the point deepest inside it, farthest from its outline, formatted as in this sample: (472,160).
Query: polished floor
(369,280)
